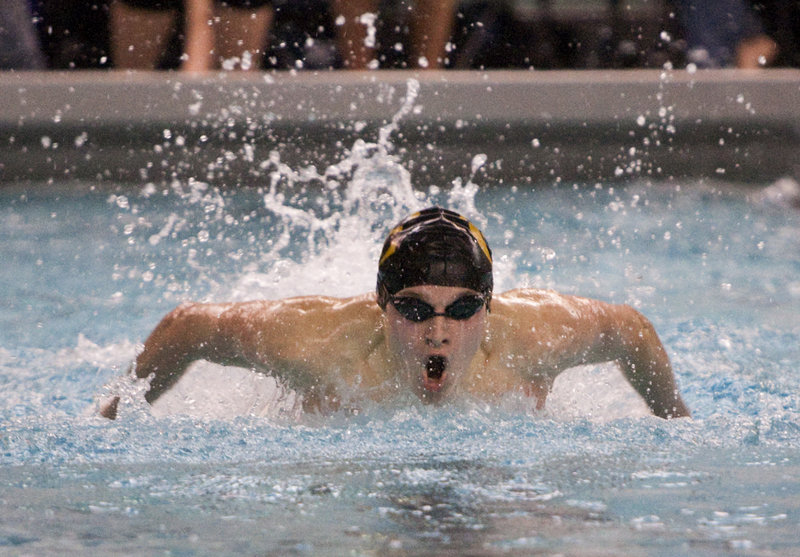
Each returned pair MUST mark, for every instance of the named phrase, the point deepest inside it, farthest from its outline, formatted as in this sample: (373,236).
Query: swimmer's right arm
(298,339)
(189,333)
(266,335)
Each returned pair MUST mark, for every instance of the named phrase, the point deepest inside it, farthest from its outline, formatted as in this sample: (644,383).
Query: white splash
(355,201)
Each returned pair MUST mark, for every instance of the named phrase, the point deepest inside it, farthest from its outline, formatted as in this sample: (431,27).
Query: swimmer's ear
(382,296)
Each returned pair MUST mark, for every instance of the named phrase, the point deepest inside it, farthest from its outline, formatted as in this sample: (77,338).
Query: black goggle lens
(417,310)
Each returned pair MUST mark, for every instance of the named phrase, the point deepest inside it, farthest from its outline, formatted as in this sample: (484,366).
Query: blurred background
(484,34)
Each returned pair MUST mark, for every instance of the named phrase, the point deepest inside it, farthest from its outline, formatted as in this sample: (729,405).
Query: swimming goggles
(417,311)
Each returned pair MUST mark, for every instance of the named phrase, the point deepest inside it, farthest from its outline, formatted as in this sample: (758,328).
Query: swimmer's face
(434,354)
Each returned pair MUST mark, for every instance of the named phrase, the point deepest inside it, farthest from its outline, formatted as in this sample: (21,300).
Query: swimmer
(433,327)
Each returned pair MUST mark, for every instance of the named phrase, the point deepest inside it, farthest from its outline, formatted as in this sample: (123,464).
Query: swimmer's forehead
(428,292)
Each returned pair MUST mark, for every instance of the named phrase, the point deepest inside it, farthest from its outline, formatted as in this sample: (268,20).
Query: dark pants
(19,44)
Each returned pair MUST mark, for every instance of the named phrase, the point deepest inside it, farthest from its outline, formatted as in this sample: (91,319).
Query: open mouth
(435,369)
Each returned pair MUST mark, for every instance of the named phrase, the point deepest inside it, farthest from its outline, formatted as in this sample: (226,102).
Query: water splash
(339,215)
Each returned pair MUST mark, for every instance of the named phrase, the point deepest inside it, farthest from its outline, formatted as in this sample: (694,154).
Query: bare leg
(756,52)
(431,27)
(352,34)
(139,37)
(243,30)
(198,49)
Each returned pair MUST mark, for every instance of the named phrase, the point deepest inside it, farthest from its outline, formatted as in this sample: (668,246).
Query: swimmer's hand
(108,407)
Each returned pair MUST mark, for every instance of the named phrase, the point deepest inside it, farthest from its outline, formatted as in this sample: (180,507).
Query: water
(225,464)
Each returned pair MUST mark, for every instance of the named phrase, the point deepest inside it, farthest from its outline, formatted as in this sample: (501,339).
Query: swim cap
(437,247)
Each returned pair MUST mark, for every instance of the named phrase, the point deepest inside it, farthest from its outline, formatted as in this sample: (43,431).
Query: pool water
(225,463)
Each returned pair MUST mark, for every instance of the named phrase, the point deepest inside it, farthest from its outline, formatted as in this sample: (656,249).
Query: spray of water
(315,231)
(341,215)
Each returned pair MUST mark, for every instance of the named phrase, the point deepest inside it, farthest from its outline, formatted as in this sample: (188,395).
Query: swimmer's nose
(437,332)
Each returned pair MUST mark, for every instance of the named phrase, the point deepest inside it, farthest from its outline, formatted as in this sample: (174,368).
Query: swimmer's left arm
(631,340)
(558,331)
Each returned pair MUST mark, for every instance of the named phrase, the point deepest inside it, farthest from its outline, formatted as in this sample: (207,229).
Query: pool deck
(533,126)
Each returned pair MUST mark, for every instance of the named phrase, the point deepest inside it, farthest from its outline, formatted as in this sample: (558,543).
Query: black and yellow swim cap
(435,246)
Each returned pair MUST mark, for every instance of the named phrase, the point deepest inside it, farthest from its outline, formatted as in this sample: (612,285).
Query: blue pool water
(225,464)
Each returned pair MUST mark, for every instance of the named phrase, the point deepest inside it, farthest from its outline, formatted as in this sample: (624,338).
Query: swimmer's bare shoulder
(556,331)
(313,331)
(302,337)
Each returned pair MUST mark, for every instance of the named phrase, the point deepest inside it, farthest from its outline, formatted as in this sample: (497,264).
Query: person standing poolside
(216,33)
(430,25)
(433,327)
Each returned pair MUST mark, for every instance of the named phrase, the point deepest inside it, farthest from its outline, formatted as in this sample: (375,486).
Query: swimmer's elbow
(630,332)
(183,314)
(174,323)
(177,341)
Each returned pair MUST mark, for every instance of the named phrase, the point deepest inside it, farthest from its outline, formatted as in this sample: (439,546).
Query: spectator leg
(432,26)
(139,37)
(352,33)
(243,30)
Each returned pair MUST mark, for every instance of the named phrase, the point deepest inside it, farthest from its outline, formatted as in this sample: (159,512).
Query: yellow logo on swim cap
(481,240)
(388,252)
(394,238)
(393,242)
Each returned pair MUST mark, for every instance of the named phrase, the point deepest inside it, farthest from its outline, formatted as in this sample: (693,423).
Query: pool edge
(532,126)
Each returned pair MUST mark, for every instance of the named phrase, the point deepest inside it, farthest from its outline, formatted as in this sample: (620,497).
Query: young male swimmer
(433,327)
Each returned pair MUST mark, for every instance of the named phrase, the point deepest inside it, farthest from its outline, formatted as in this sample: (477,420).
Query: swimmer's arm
(291,338)
(189,333)
(571,331)
(630,339)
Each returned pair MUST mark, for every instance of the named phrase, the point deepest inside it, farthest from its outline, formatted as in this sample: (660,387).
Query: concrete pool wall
(532,126)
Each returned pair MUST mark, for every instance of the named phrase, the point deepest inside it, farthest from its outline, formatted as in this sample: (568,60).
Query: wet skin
(335,351)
